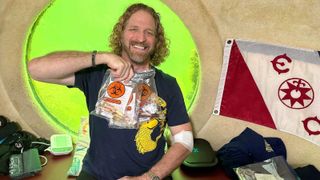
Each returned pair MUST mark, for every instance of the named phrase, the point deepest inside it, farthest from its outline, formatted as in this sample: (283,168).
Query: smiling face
(139,38)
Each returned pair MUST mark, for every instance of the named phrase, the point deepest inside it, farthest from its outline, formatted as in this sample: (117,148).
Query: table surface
(57,168)
(210,173)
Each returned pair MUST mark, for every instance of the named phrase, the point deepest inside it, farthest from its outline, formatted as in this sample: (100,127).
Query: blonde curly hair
(162,45)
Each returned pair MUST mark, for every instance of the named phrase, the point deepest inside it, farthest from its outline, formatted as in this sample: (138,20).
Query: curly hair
(162,45)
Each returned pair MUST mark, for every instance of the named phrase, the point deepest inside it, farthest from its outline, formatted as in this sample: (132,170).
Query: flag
(273,86)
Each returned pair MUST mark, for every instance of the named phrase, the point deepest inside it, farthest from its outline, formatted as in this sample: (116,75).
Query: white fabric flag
(271,85)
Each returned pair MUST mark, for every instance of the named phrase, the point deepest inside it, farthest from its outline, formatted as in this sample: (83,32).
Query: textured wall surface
(294,23)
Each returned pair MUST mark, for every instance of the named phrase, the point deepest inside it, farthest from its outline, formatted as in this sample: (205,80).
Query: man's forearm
(171,160)
(59,67)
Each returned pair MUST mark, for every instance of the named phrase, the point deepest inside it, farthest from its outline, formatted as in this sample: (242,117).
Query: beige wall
(289,22)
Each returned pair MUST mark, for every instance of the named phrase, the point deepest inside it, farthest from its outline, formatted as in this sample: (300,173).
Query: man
(138,44)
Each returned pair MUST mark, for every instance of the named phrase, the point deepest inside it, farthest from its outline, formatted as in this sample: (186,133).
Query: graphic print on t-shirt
(144,141)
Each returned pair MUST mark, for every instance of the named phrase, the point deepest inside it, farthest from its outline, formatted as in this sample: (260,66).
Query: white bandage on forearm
(185,138)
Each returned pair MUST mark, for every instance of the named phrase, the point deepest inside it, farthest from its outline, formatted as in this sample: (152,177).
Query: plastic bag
(81,148)
(125,105)
(275,168)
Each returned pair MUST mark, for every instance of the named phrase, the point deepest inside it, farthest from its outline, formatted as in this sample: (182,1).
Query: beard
(135,55)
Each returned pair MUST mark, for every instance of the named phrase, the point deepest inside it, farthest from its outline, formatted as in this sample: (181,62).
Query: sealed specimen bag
(126,105)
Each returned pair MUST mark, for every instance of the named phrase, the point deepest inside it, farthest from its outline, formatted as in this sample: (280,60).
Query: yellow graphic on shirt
(143,139)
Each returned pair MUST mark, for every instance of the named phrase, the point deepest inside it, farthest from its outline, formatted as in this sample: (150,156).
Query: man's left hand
(142,177)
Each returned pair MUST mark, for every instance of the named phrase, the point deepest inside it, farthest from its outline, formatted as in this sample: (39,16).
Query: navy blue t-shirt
(114,153)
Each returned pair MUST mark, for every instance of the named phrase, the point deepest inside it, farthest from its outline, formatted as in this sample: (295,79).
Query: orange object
(116,101)
(145,91)
(116,89)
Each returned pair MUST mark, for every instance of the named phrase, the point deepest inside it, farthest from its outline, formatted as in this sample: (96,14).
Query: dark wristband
(93,58)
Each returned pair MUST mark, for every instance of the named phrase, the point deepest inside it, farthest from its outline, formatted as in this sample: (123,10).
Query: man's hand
(120,68)
(142,177)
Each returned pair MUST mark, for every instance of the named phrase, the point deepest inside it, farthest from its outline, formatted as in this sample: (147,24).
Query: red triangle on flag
(241,96)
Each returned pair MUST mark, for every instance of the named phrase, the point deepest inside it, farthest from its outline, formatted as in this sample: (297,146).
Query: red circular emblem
(296,93)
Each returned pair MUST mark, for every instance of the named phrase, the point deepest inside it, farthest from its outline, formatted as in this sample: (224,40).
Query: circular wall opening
(83,26)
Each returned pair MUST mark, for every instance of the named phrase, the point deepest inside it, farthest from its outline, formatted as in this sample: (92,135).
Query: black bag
(308,172)
(13,140)
(7,127)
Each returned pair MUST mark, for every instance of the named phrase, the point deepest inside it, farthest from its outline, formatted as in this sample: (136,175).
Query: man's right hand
(120,68)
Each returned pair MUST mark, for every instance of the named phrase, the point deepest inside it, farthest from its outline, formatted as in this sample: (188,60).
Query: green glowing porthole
(85,26)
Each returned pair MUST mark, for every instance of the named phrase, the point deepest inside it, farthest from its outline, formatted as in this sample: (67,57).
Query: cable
(38,142)
(45,160)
